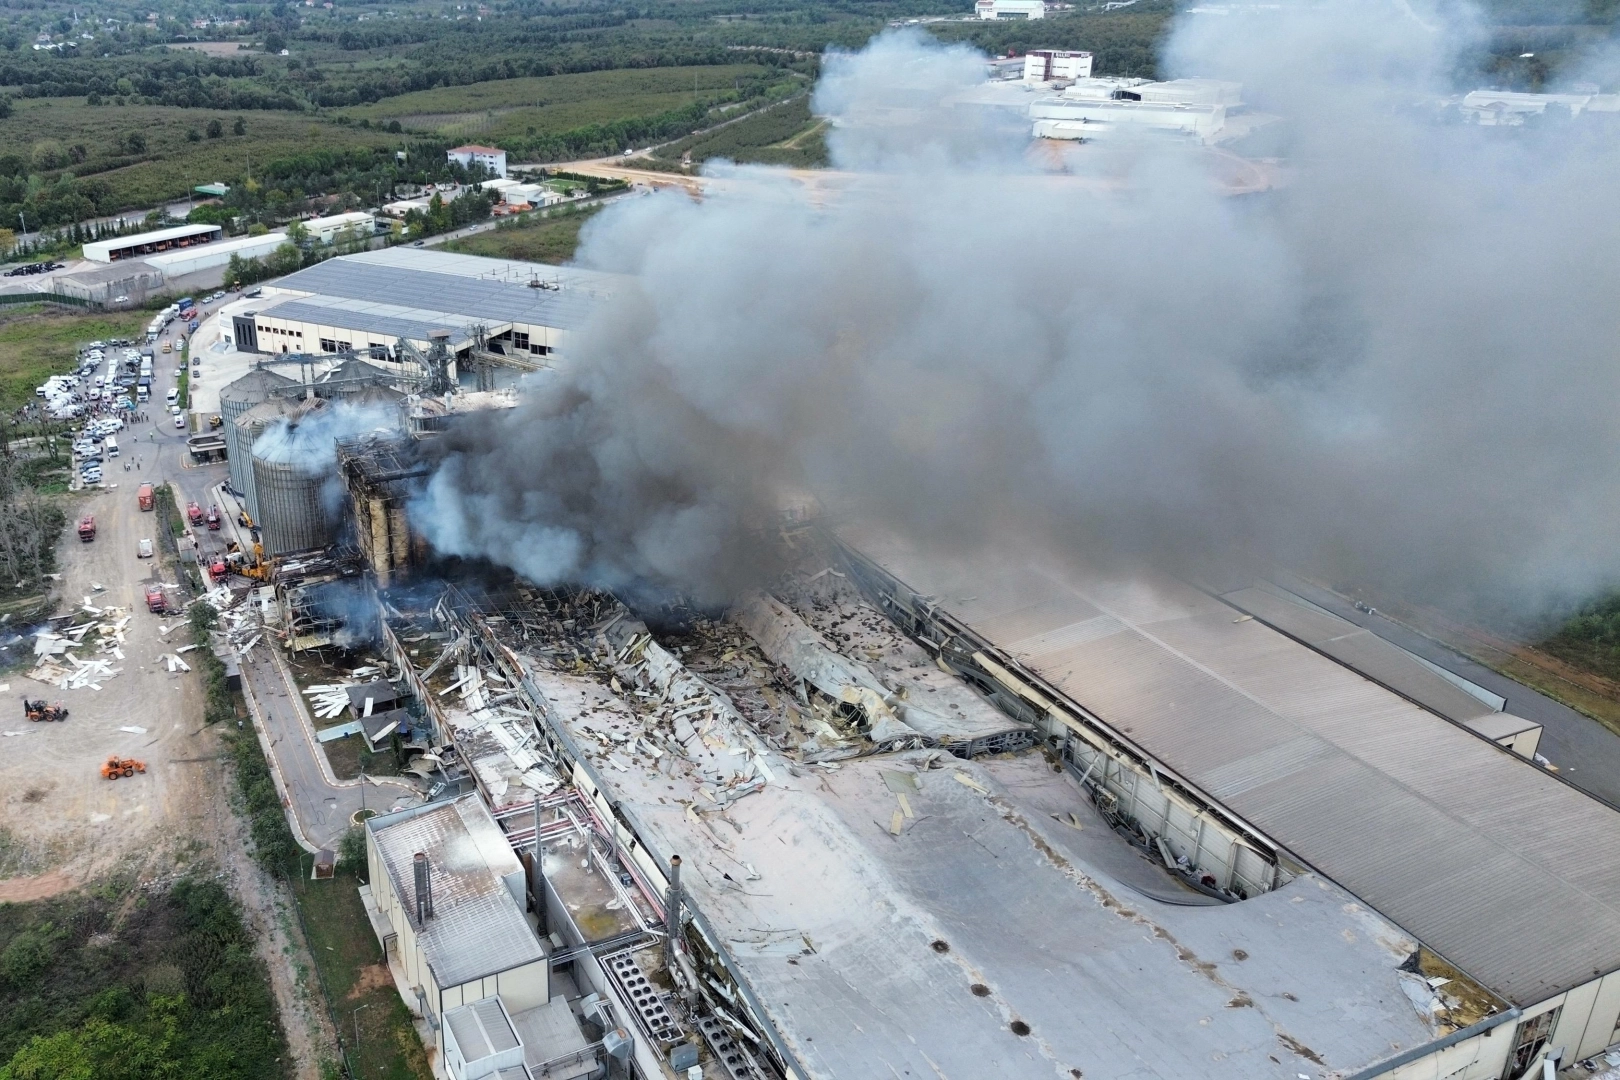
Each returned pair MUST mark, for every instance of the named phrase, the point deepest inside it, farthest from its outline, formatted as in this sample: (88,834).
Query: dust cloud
(1397,366)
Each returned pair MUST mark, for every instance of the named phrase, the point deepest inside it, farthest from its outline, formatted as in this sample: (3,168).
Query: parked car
(143,550)
(179,421)
(120,299)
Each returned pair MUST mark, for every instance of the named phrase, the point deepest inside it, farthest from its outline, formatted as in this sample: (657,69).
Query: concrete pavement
(319,805)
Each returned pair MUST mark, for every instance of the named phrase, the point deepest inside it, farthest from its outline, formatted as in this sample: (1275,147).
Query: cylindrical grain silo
(254,388)
(247,428)
(293,467)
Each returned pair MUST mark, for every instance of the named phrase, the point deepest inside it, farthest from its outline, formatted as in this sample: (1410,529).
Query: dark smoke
(1399,366)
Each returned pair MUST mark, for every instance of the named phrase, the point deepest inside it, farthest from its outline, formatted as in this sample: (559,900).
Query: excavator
(117,767)
(250,564)
(42,710)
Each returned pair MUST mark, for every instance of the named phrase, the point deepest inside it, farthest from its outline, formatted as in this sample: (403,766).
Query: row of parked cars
(93,444)
(29,269)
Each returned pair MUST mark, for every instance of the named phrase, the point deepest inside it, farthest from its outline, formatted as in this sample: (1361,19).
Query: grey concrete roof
(1510,874)
(1063,928)
(477,928)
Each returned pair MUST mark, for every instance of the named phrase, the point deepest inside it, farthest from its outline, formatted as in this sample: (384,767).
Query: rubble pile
(328,700)
(59,665)
(678,710)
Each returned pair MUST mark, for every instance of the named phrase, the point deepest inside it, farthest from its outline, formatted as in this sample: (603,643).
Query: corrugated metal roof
(1510,874)
(477,928)
(490,300)
(1359,648)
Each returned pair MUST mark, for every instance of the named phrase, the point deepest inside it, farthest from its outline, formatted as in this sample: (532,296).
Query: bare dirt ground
(63,826)
(216,48)
(54,801)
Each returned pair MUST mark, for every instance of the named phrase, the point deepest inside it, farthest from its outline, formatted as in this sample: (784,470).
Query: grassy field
(514,108)
(544,240)
(40,342)
(351,963)
(785,134)
(170,165)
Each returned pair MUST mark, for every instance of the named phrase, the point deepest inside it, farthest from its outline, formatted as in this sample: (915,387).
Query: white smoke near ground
(1398,366)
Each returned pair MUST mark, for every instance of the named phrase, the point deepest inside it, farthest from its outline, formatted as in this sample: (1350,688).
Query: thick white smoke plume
(310,441)
(1398,366)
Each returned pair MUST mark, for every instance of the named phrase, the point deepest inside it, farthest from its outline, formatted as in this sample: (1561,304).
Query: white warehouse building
(373,299)
(1010,9)
(325,230)
(1056,65)
(1101,108)
(191,260)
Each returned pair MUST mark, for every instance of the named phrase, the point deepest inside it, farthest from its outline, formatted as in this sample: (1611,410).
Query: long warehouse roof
(445,288)
(1508,873)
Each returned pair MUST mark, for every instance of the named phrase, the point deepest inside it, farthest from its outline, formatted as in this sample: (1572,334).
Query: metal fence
(11,299)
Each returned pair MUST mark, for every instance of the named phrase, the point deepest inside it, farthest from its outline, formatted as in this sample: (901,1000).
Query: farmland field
(785,134)
(515,108)
(170,164)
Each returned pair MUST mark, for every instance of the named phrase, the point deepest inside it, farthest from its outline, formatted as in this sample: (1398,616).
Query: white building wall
(209,256)
(1481,1058)
(490,158)
(1010,9)
(325,229)
(1050,65)
(1603,1026)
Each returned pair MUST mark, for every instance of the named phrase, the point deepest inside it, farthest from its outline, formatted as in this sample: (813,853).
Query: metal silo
(246,430)
(237,398)
(291,472)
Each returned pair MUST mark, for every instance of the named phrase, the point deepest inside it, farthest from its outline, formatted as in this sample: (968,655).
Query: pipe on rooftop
(424,888)
(672,912)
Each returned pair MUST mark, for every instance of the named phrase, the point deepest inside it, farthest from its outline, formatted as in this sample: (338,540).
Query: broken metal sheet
(788,641)
(340,731)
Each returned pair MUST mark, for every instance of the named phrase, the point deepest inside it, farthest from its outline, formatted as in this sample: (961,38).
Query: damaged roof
(1511,875)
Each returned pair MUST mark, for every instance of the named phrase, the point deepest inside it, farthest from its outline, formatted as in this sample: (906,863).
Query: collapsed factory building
(900,813)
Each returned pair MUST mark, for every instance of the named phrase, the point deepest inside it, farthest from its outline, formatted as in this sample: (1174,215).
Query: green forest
(116,984)
(106,108)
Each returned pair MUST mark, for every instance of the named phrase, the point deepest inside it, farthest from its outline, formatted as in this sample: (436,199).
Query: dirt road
(63,825)
(55,801)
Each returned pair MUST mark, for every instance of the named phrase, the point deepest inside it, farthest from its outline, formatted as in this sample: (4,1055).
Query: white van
(110,445)
(174,394)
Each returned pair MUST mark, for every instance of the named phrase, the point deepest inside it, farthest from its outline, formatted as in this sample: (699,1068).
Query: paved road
(320,804)
(1586,753)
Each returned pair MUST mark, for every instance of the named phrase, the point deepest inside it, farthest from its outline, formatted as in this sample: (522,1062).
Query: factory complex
(514,315)
(894,812)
